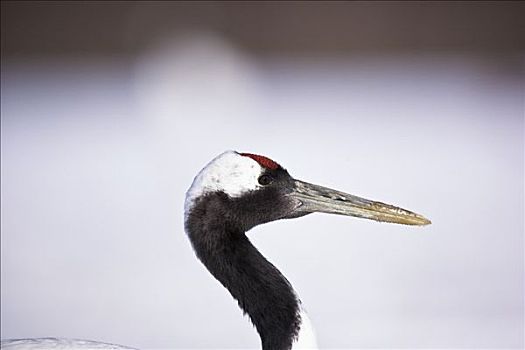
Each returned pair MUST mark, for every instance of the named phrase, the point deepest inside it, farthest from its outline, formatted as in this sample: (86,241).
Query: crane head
(249,189)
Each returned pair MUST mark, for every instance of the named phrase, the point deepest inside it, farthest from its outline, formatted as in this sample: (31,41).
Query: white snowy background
(97,153)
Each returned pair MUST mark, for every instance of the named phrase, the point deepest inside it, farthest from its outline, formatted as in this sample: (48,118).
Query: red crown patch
(262,160)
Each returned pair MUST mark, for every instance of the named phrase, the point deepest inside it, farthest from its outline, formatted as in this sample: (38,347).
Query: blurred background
(109,109)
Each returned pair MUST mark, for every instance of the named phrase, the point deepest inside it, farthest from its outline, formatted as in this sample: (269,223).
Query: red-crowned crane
(232,194)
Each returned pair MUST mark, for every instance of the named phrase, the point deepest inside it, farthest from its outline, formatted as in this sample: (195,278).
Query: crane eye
(265,179)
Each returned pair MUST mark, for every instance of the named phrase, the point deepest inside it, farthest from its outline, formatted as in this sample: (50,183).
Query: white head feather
(230,172)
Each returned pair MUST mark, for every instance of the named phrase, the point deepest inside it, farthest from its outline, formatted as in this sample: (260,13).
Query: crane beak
(314,198)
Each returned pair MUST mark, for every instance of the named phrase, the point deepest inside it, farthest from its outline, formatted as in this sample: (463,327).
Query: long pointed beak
(314,198)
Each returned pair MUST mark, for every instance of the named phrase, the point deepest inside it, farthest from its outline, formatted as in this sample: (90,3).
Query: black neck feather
(260,289)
